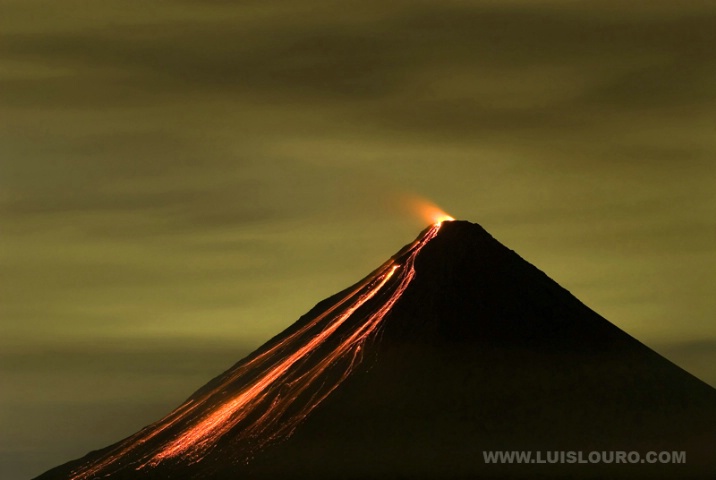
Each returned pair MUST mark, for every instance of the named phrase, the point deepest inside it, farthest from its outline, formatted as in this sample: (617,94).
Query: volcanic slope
(454,347)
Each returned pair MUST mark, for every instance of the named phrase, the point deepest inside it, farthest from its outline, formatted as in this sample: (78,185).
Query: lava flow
(265,398)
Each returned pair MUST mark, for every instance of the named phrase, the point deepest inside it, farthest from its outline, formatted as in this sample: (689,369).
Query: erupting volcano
(452,347)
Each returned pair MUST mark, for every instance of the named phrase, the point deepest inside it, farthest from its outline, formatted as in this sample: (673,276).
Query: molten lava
(266,397)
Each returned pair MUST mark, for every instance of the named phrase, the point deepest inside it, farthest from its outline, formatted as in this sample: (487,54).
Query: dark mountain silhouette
(453,347)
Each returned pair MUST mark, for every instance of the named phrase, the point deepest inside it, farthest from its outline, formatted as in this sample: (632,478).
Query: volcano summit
(452,348)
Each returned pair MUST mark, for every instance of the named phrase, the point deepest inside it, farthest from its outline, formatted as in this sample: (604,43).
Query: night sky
(181,180)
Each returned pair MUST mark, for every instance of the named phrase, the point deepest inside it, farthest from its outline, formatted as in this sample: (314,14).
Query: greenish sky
(179,181)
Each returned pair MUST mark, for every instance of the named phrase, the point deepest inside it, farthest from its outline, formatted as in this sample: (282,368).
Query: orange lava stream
(182,412)
(277,382)
(231,413)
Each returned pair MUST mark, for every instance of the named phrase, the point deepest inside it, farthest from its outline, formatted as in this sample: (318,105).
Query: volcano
(453,348)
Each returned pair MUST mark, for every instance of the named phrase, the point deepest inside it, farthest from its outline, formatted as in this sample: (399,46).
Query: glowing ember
(266,397)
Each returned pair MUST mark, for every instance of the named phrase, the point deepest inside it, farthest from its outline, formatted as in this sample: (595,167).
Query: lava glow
(265,397)
(442,217)
(428,211)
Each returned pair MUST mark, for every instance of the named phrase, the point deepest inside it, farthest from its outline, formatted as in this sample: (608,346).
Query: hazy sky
(181,180)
